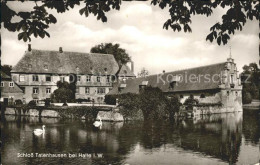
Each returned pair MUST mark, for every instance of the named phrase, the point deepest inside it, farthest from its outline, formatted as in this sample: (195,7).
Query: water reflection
(215,139)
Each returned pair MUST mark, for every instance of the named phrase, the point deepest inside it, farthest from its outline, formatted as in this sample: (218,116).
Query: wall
(214,109)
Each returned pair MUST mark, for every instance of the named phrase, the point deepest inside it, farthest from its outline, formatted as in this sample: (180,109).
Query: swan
(98,123)
(39,131)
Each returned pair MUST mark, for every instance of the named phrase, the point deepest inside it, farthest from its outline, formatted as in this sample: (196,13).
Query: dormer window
(121,87)
(98,79)
(77,69)
(45,67)
(108,79)
(35,78)
(88,78)
(143,84)
(30,66)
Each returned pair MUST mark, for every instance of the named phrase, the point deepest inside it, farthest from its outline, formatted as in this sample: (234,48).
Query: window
(98,79)
(78,78)
(101,90)
(35,78)
(2,84)
(11,84)
(35,90)
(48,78)
(227,93)
(45,67)
(48,90)
(108,79)
(202,95)
(181,96)
(88,78)
(22,78)
(62,79)
(87,90)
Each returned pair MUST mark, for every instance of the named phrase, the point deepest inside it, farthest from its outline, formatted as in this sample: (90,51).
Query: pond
(232,138)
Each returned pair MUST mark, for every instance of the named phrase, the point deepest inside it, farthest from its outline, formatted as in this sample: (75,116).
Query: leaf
(81,11)
(20,36)
(219,40)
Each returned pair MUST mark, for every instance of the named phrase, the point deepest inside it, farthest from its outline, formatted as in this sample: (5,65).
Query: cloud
(137,27)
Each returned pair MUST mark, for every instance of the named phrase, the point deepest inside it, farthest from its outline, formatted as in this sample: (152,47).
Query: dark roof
(206,72)
(4,76)
(125,71)
(42,61)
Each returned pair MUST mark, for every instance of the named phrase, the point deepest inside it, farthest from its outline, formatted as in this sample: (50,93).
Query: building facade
(38,72)
(217,83)
(10,91)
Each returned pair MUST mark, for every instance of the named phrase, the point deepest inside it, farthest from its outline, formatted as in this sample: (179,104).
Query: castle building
(216,83)
(9,90)
(38,72)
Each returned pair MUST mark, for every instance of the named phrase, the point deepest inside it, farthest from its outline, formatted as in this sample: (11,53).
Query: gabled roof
(43,61)
(205,73)
(125,71)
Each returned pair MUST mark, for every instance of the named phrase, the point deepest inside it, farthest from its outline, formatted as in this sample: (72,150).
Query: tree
(6,69)
(120,54)
(143,73)
(250,81)
(63,94)
(37,21)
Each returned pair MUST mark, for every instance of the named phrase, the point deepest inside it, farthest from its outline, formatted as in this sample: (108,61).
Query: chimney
(132,66)
(29,47)
(60,50)
(163,71)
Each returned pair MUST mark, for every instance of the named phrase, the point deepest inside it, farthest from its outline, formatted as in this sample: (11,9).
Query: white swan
(98,123)
(39,131)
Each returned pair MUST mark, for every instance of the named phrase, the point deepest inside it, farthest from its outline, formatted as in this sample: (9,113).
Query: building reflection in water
(216,136)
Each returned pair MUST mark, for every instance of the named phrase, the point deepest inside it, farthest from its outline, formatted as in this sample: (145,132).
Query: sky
(138,28)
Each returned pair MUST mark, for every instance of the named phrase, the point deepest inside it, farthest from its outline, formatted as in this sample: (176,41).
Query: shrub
(47,102)
(173,105)
(111,99)
(129,106)
(18,102)
(32,104)
(246,98)
(190,102)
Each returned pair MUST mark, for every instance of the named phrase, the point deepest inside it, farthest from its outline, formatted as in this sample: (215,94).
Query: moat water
(232,138)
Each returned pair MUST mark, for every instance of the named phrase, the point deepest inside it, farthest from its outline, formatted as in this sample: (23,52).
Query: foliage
(47,102)
(63,94)
(18,102)
(129,106)
(111,99)
(153,103)
(250,81)
(37,21)
(246,98)
(143,73)
(31,104)
(120,54)
(6,69)
(173,106)
(191,101)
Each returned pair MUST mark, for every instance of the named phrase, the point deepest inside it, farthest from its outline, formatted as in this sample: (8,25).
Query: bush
(246,98)
(111,99)
(47,102)
(190,102)
(152,102)
(32,104)
(129,106)
(18,102)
